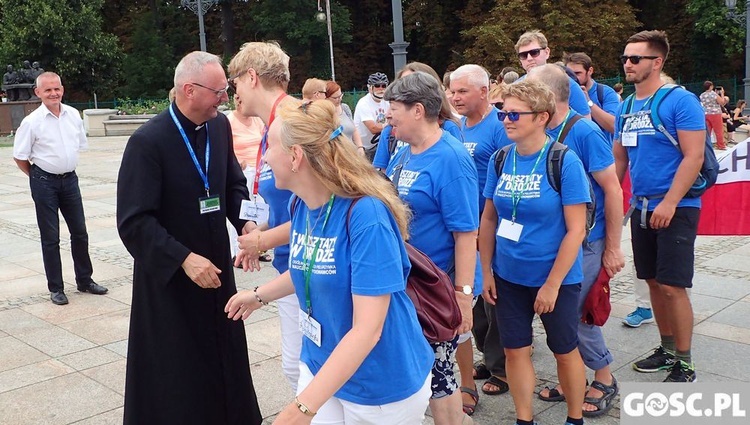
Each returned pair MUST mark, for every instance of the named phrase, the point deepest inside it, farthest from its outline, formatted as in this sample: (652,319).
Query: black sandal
(603,403)
(499,383)
(554,395)
(481,371)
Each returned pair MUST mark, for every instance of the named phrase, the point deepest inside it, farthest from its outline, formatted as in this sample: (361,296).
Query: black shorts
(514,312)
(667,255)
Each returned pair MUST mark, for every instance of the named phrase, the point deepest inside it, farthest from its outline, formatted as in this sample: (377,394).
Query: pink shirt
(246,138)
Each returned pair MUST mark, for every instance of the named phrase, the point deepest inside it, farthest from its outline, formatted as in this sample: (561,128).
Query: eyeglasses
(635,59)
(513,115)
(533,53)
(230,81)
(337,97)
(218,93)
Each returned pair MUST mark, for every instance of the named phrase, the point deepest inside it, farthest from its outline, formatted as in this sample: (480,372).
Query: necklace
(484,115)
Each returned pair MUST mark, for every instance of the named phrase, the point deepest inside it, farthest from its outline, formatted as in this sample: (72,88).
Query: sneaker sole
(659,369)
(626,323)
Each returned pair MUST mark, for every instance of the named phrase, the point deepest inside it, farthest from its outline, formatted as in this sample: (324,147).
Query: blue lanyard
(516,196)
(204,176)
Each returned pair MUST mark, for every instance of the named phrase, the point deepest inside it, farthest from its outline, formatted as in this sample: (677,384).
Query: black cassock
(187,363)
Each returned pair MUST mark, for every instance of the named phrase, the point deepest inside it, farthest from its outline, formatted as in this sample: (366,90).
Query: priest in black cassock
(178,183)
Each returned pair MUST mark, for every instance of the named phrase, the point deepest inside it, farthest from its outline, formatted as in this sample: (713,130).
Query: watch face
(467,290)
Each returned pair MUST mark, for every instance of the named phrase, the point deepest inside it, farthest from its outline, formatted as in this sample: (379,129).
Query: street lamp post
(732,6)
(327,17)
(199,7)
(399,45)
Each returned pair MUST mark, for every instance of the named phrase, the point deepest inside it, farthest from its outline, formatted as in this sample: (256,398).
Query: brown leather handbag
(431,291)
(434,297)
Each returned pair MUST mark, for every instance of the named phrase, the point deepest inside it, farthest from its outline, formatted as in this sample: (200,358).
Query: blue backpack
(710,169)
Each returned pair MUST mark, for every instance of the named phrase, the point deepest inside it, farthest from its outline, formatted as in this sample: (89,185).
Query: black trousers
(487,337)
(53,193)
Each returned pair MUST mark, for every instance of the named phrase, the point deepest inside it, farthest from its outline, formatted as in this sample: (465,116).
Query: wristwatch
(590,103)
(465,289)
(304,409)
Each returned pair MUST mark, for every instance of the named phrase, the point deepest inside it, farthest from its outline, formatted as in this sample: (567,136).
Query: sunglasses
(513,116)
(635,59)
(498,105)
(533,53)
(230,81)
(380,86)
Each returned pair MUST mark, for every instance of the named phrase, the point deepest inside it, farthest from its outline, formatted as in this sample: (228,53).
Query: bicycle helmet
(377,78)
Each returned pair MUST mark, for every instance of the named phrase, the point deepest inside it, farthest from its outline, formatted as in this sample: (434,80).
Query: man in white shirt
(369,115)
(46,149)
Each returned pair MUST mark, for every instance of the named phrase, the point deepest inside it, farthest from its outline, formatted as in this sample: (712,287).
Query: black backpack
(555,157)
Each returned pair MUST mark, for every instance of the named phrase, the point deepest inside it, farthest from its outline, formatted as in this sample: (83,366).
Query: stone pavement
(66,364)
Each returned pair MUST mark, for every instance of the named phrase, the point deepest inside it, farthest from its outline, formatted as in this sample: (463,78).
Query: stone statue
(26,73)
(19,85)
(10,78)
(36,70)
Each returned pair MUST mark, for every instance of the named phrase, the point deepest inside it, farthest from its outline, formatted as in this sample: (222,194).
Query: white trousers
(409,411)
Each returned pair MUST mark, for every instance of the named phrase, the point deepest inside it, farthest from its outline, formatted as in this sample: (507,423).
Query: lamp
(326,17)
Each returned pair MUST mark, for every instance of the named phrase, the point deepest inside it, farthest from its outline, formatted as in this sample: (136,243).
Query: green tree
(66,37)
(598,28)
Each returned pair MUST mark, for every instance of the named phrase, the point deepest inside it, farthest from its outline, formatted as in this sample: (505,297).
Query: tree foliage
(130,48)
(64,36)
(597,28)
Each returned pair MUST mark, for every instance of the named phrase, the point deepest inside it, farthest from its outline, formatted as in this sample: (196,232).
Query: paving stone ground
(65,365)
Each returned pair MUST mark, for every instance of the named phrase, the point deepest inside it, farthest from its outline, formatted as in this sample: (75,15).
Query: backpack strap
(554,164)
(502,153)
(600,94)
(295,201)
(625,108)
(660,94)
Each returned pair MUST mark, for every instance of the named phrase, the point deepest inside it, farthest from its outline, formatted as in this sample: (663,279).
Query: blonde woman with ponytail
(364,359)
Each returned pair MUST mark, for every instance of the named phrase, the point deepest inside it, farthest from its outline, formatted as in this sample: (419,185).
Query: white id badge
(254,210)
(509,230)
(309,327)
(630,139)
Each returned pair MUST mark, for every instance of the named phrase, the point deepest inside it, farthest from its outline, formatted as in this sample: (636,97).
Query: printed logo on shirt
(471,146)
(406,180)
(380,115)
(640,123)
(530,185)
(265,172)
(324,263)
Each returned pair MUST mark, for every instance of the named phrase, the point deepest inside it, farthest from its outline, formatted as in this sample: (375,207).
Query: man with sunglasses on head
(178,184)
(369,115)
(664,223)
(601,98)
(533,51)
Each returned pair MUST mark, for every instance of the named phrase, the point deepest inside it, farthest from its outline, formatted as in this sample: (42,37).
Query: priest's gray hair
(191,66)
(478,76)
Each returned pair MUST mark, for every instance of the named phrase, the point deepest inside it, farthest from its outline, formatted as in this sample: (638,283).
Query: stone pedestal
(12,113)
(93,121)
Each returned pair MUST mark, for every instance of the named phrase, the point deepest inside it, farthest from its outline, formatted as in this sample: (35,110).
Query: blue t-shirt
(577,100)
(278,202)
(610,104)
(370,261)
(440,187)
(383,157)
(529,261)
(594,150)
(654,161)
(482,140)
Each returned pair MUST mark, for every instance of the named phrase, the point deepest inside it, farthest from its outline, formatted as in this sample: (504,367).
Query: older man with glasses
(533,51)
(178,183)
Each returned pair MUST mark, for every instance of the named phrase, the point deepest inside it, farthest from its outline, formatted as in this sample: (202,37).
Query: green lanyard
(309,262)
(516,196)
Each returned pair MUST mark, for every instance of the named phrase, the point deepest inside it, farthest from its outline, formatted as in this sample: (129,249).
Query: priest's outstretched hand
(201,271)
